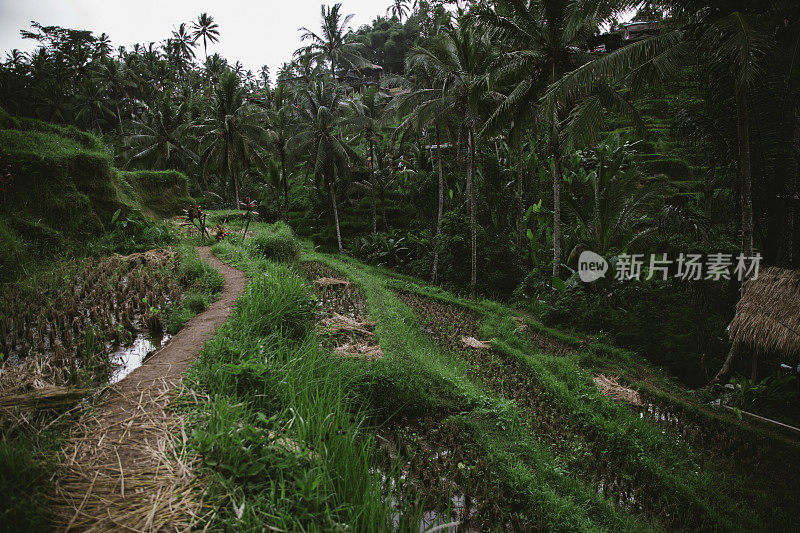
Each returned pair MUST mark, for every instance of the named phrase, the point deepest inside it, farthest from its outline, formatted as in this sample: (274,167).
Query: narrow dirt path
(120,469)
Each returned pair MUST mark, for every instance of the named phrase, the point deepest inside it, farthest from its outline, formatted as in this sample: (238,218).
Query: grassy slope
(65,191)
(258,367)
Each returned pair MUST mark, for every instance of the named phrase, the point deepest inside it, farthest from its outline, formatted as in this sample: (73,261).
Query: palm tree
(459,60)
(331,45)
(425,107)
(720,36)
(612,201)
(263,75)
(182,48)
(117,83)
(207,29)
(159,138)
(214,67)
(318,138)
(103,46)
(541,46)
(365,116)
(399,9)
(233,134)
(93,109)
(280,116)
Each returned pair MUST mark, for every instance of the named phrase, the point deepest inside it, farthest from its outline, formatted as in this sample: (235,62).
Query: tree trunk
(236,187)
(708,189)
(285,183)
(743,131)
(726,367)
(372,188)
(440,213)
(472,224)
(521,206)
(383,209)
(234,180)
(335,215)
(119,119)
(556,200)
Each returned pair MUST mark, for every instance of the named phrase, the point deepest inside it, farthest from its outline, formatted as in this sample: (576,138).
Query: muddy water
(126,359)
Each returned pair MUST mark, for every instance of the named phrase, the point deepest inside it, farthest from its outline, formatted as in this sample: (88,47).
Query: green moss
(161,193)
(65,192)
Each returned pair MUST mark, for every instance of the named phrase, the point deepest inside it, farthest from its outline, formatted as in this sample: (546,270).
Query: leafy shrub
(384,249)
(673,325)
(276,242)
(133,232)
(773,394)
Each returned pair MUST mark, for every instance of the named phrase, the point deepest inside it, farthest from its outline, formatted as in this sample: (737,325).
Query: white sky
(254,32)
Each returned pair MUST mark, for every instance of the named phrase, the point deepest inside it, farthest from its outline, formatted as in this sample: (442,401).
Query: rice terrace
(428,266)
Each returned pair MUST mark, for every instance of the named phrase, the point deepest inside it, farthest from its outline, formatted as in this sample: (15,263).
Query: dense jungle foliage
(495,146)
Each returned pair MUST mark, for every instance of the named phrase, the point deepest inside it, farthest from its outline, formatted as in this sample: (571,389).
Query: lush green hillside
(375,398)
(61,191)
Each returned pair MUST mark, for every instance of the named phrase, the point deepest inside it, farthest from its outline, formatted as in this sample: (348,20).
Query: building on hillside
(638,31)
(366,76)
(607,42)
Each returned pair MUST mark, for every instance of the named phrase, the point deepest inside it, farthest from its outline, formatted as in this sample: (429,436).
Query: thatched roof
(768,315)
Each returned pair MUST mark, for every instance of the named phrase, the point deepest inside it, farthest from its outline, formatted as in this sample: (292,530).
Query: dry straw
(614,390)
(768,314)
(122,469)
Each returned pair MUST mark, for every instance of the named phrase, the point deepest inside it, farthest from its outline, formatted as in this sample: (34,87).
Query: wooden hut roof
(768,314)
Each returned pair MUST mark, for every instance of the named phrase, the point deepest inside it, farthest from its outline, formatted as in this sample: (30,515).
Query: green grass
(279,430)
(277,242)
(26,464)
(204,285)
(688,486)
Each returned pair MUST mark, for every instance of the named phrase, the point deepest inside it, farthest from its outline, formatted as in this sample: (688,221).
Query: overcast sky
(254,32)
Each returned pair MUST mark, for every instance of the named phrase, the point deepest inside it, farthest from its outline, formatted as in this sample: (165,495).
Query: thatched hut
(768,315)
(767,319)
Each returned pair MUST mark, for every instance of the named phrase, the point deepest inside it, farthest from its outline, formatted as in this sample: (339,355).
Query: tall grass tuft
(276,242)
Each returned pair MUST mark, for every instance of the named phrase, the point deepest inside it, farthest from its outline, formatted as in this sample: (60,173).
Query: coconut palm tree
(365,114)
(117,82)
(159,140)
(542,42)
(234,133)
(207,29)
(610,200)
(717,35)
(425,107)
(318,138)
(280,116)
(92,106)
(182,46)
(331,45)
(399,9)
(460,60)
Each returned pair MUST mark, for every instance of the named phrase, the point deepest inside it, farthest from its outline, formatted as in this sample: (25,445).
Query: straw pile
(612,388)
(121,469)
(472,342)
(768,314)
(342,315)
(352,337)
